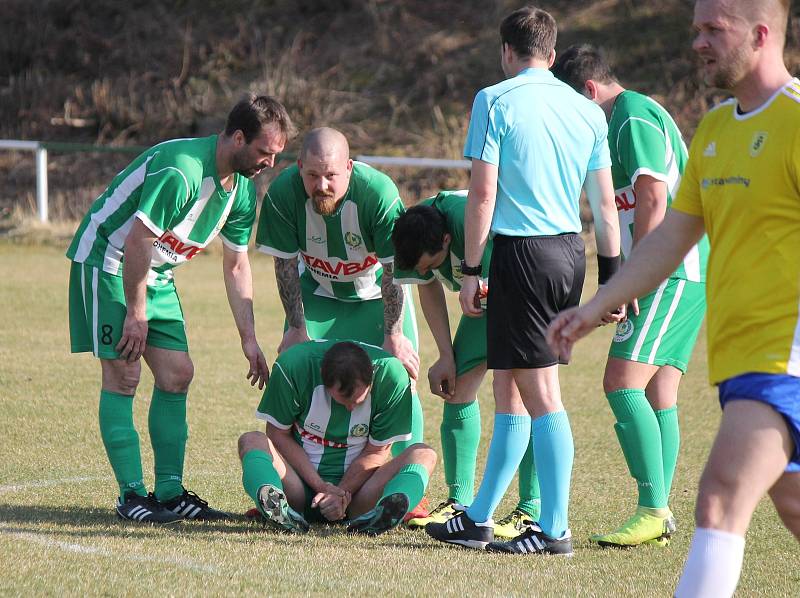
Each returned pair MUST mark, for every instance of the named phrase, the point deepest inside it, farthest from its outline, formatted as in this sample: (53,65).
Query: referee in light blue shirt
(534,144)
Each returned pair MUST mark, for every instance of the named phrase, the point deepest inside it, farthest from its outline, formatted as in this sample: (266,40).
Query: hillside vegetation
(397,77)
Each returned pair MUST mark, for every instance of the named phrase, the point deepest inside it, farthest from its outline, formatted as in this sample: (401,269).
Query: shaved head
(325,144)
(773,13)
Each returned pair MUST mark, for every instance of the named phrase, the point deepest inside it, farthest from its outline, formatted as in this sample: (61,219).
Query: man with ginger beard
(741,177)
(337,216)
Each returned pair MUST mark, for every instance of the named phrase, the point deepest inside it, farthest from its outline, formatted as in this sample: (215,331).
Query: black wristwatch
(470,270)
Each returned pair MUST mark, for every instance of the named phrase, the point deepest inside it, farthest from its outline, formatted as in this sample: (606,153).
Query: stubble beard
(727,76)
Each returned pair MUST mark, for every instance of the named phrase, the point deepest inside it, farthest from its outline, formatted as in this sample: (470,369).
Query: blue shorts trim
(779,391)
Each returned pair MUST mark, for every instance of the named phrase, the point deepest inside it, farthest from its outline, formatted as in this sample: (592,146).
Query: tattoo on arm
(289,290)
(392,302)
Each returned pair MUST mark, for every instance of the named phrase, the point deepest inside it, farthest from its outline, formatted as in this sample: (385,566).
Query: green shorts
(354,320)
(666,328)
(97,313)
(469,344)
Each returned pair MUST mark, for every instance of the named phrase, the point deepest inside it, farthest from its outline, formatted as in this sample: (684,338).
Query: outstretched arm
(239,287)
(655,258)
(393,339)
(288,279)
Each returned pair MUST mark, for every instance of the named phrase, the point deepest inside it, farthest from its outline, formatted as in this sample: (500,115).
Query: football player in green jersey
(333,410)
(652,347)
(335,217)
(429,247)
(158,213)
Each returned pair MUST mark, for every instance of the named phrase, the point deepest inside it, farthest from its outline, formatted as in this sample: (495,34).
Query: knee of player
(177,378)
(613,380)
(120,376)
(250,441)
(423,454)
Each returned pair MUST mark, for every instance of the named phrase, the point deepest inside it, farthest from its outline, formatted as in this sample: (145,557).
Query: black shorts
(531,279)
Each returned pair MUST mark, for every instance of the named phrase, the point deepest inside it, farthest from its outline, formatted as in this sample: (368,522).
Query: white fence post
(41,182)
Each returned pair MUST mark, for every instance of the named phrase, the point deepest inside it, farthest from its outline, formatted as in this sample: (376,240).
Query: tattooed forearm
(289,289)
(392,302)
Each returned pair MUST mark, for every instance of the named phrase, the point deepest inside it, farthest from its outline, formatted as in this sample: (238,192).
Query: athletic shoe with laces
(193,508)
(419,512)
(642,528)
(535,541)
(444,511)
(462,530)
(513,524)
(277,512)
(386,515)
(145,509)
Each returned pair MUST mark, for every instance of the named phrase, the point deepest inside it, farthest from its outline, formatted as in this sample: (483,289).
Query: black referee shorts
(531,279)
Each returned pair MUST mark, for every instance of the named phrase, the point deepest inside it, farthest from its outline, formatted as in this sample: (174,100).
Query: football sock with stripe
(529,497)
(640,438)
(713,565)
(553,453)
(509,441)
(411,480)
(257,471)
(168,434)
(417,426)
(121,441)
(670,444)
(461,433)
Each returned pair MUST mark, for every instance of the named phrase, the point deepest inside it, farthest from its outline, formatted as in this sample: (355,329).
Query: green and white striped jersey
(453,205)
(174,189)
(644,139)
(342,253)
(330,435)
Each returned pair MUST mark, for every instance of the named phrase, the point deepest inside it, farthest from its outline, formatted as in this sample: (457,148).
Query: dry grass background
(397,77)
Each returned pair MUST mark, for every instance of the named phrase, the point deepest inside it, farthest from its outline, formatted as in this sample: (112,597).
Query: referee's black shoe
(462,530)
(535,541)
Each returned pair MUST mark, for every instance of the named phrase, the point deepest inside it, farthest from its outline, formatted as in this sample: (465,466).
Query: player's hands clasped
(134,338)
(399,346)
(259,370)
(293,336)
(469,297)
(442,377)
(332,502)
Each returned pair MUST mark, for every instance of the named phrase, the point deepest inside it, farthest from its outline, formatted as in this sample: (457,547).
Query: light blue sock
(553,452)
(509,441)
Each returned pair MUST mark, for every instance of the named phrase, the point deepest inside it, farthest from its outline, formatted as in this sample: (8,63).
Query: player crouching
(333,411)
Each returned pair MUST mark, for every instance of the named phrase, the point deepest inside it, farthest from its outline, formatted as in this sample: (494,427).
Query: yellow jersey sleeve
(688,199)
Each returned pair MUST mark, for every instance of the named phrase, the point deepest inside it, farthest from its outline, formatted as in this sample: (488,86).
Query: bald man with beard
(336,217)
(741,179)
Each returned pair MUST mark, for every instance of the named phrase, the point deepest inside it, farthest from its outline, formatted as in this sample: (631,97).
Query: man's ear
(591,89)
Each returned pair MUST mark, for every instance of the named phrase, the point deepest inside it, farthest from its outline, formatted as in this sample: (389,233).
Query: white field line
(48,483)
(102,552)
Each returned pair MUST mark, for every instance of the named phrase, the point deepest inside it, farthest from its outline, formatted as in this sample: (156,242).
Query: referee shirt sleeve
(485,131)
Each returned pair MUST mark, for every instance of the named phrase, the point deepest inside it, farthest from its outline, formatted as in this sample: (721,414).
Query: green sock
(639,437)
(670,443)
(411,480)
(529,498)
(168,434)
(417,425)
(461,433)
(122,442)
(257,470)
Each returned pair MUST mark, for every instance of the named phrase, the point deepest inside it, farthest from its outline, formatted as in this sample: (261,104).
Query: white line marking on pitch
(93,550)
(47,483)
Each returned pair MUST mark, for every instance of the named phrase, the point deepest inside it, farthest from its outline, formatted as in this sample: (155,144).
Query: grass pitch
(58,533)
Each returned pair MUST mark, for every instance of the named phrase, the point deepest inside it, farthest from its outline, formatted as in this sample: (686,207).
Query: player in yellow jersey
(742,187)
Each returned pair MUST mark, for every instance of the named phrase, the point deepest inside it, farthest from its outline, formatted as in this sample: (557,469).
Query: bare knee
(422,454)
(250,441)
(120,376)
(785,495)
(613,380)
(177,377)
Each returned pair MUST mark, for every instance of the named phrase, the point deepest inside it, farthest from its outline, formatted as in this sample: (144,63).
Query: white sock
(713,566)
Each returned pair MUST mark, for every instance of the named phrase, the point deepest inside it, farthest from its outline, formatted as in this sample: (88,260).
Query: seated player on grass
(429,247)
(333,410)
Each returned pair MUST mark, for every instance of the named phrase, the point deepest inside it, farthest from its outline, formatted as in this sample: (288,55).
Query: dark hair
(530,31)
(254,112)
(344,365)
(577,64)
(419,230)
